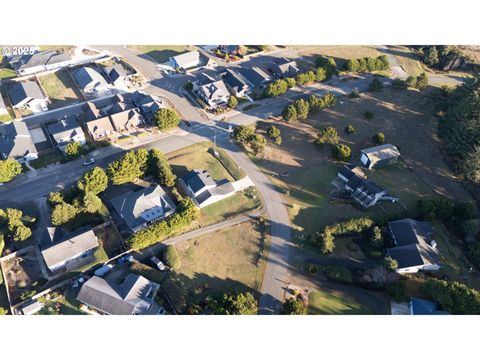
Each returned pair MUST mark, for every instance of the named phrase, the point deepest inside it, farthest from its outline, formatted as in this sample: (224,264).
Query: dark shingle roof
(409,231)
(24,90)
(234,80)
(15,140)
(255,76)
(68,127)
(87,75)
(115,72)
(198,179)
(47,57)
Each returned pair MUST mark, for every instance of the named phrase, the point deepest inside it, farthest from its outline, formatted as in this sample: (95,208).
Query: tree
(55,198)
(63,213)
(232,102)
(291,82)
(94,181)
(3,311)
(375,85)
(276,88)
(396,290)
(376,237)
(257,143)
(352,65)
(328,63)
(171,258)
(243,133)
(294,307)
(453,296)
(411,81)
(159,168)
(302,108)
(73,149)
(349,129)
(328,136)
(368,114)
(166,118)
(422,81)
(327,244)
(22,233)
(14,219)
(9,169)
(430,56)
(290,113)
(320,74)
(341,152)
(91,203)
(240,304)
(129,168)
(390,263)
(273,132)
(378,138)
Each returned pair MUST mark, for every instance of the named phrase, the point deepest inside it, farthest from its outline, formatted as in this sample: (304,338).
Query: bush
(390,263)
(302,108)
(291,82)
(375,85)
(367,64)
(378,138)
(305,78)
(278,87)
(349,129)
(73,149)
(232,102)
(399,83)
(294,307)
(243,133)
(166,118)
(290,113)
(63,213)
(376,238)
(368,114)
(328,136)
(171,258)
(257,143)
(422,81)
(396,290)
(411,81)
(454,297)
(328,64)
(9,169)
(273,132)
(339,274)
(341,152)
(355,93)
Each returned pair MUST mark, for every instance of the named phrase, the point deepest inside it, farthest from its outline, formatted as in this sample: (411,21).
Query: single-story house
(26,64)
(237,85)
(100,128)
(188,60)
(214,94)
(116,74)
(16,142)
(204,190)
(379,155)
(65,131)
(256,77)
(60,250)
(135,296)
(27,94)
(425,307)
(127,120)
(3,107)
(364,192)
(414,249)
(143,207)
(283,67)
(90,80)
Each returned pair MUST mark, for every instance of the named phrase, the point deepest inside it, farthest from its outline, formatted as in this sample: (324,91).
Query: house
(148,105)
(65,131)
(116,74)
(379,155)
(237,85)
(27,64)
(230,49)
(127,120)
(424,307)
(214,93)
(364,192)
(90,80)
(188,60)
(62,250)
(204,190)
(16,142)
(90,111)
(134,296)
(3,107)
(143,207)
(283,67)
(414,249)
(100,128)
(25,94)
(256,77)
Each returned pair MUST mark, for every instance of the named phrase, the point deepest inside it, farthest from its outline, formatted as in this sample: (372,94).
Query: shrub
(399,83)
(338,273)
(390,263)
(411,81)
(376,238)
(311,268)
(368,114)
(171,258)
(9,169)
(378,138)
(341,152)
(291,82)
(349,129)
(278,87)
(243,133)
(257,143)
(63,213)
(454,297)
(302,108)
(396,290)
(290,113)
(328,64)
(166,118)
(375,85)
(367,64)
(273,132)
(232,102)
(355,93)
(320,74)
(294,307)
(422,81)
(73,149)
(305,78)
(328,136)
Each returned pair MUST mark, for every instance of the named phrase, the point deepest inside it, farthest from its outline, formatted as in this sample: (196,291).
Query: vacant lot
(334,303)
(161,53)
(303,172)
(339,52)
(222,262)
(60,88)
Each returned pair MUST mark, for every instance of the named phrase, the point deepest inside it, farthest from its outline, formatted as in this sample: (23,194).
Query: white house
(189,60)
(25,94)
(90,80)
(65,131)
(27,64)
(214,93)
(16,142)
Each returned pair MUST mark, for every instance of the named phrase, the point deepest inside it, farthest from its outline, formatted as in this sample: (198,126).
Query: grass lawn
(161,53)
(61,305)
(47,159)
(7,117)
(221,262)
(339,52)
(334,303)
(197,157)
(6,73)
(60,88)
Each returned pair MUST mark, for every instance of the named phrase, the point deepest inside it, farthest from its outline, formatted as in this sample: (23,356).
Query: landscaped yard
(334,303)
(60,89)
(225,261)
(161,53)
(6,73)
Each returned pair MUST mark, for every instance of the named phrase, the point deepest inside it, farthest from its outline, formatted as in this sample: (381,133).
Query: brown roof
(127,119)
(99,128)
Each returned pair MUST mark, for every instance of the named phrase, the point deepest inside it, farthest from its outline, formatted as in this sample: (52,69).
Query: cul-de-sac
(239,180)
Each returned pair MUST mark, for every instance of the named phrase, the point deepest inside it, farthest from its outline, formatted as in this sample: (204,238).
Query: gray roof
(198,179)
(22,90)
(15,140)
(85,76)
(68,127)
(149,105)
(133,296)
(235,81)
(255,76)
(425,307)
(48,57)
(140,207)
(185,59)
(128,119)
(116,71)
(284,67)
(409,231)
(62,247)
(381,152)
(214,91)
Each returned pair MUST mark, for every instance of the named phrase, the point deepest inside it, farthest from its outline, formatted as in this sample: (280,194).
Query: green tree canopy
(294,307)
(9,169)
(232,102)
(240,304)
(159,167)
(73,149)
(129,168)
(94,181)
(166,118)
(91,203)
(243,133)
(171,258)
(290,113)
(302,108)
(63,213)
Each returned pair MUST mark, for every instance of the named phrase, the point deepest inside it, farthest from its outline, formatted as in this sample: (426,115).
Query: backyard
(334,302)
(161,53)
(60,89)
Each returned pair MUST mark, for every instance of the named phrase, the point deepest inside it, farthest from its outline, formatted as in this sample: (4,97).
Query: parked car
(103,270)
(125,259)
(160,265)
(89,162)
(162,311)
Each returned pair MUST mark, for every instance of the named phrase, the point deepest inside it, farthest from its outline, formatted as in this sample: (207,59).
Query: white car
(89,162)
(160,265)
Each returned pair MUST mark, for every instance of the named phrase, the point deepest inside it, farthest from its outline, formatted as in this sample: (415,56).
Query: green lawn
(60,88)
(61,305)
(161,53)
(7,117)
(327,303)
(6,73)
(47,159)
